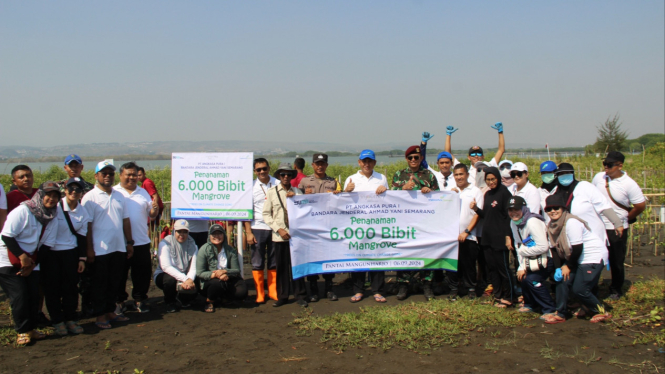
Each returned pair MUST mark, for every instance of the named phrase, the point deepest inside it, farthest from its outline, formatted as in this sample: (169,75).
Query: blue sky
(366,73)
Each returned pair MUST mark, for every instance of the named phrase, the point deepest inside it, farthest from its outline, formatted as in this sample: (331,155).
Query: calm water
(5,168)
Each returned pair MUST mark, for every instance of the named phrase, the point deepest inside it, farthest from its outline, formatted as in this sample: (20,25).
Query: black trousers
(200,238)
(107,273)
(141,267)
(262,248)
(466,275)
(617,252)
(23,293)
(168,284)
(232,289)
(285,274)
(498,266)
(582,282)
(377,280)
(536,290)
(59,275)
(483,273)
(327,277)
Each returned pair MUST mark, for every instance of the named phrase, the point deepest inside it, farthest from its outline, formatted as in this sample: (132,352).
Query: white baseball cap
(519,166)
(181,224)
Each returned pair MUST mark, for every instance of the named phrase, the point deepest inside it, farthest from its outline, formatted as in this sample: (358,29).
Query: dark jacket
(496,224)
(206,261)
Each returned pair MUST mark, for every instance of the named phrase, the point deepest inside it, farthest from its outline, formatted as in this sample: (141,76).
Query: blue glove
(558,277)
(450,130)
(498,127)
(427,136)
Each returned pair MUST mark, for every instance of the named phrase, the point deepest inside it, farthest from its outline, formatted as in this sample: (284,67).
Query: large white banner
(212,186)
(397,230)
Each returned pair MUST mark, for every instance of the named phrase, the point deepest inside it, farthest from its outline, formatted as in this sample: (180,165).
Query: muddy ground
(258,339)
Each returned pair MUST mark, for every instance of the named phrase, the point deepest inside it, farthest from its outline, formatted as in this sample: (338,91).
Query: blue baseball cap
(71,158)
(547,167)
(367,153)
(444,154)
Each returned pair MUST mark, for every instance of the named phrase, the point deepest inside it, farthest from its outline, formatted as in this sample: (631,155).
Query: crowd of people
(541,249)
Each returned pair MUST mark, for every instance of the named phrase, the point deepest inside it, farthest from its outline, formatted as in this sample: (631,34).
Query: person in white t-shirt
(3,206)
(628,202)
(110,246)
(29,228)
(476,153)
(259,234)
(142,209)
(579,256)
(523,188)
(468,241)
(366,179)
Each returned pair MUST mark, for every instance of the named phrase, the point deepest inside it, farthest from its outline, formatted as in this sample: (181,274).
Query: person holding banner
(496,239)
(259,235)
(276,217)
(320,182)
(366,179)
(218,269)
(414,177)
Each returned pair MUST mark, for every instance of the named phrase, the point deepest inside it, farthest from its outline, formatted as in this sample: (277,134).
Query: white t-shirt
(198,225)
(107,212)
(166,264)
(445,183)
(24,227)
(624,190)
(473,171)
(3,199)
(466,214)
(544,194)
(587,204)
(530,194)
(366,184)
(594,247)
(138,204)
(259,193)
(79,216)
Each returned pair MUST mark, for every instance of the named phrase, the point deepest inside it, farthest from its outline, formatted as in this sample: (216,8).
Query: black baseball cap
(615,156)
(476,149)
(75,180)
(320,157)
(516,202)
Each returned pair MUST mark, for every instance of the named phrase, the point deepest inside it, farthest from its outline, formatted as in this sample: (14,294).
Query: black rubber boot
(314,290)
(403,291)
(329,291)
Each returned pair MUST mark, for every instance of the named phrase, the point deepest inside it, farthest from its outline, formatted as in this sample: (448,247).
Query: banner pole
(239,245)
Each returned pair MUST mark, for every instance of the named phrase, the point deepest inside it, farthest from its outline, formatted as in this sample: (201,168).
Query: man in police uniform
(320,182)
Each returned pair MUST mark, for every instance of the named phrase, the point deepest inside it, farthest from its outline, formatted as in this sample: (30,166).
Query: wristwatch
(130,242)
(467,231)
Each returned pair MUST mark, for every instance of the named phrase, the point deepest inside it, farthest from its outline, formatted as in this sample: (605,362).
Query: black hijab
(566,191)
(497,174)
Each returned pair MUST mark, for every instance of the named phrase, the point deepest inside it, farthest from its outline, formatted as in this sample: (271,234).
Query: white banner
(212,186)
(397,230)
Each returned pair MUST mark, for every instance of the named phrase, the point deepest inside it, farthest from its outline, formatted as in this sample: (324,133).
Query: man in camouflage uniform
(414,177)
(320,182)
(74,167)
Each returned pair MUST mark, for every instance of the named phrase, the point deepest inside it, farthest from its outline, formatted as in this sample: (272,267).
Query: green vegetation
(415,326)
(640,313)
(610,136)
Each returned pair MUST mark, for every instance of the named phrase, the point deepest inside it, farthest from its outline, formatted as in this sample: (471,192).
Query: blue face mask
(566,179)
(547,178)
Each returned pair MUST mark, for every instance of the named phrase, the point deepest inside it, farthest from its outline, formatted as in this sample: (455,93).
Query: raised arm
(502,143)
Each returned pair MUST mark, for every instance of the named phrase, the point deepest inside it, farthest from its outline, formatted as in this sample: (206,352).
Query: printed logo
(494,203)
(303,202)
(178,158)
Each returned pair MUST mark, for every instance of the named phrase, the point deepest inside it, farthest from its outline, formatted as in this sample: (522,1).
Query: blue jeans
(536,291)
(582,283)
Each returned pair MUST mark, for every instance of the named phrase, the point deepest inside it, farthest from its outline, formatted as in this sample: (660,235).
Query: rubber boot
(258,282)
(427,291)
(329,291)
(403,291)
(272,284)
(314,289)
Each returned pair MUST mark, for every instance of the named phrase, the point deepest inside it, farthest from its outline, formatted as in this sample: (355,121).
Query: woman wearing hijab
(583,200)
(533,256)
(176,269)
(496,238)
(29,229)
(218,269)
(579,254)
(62,264)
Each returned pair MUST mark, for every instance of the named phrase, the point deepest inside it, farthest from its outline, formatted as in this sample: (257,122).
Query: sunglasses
(108,173)
(445,183)
(609,165)
(476,154)
(75,189)
(285,175)
(505,166)
(412,158)
(516,174)
(551,208)
(258,170)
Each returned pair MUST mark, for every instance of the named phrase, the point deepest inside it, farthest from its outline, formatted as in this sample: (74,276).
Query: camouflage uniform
(422,178)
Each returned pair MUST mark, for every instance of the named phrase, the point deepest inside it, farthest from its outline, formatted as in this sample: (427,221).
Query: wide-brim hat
(285,166)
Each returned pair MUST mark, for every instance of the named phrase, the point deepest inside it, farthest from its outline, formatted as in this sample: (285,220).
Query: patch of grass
(641,367)
(550,353)
(642,309)
(414,326)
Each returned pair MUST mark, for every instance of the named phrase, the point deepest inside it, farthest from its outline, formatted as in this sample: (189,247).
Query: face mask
(519,221)
(566,179)
(505,173)
(480,179)
(547,178)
